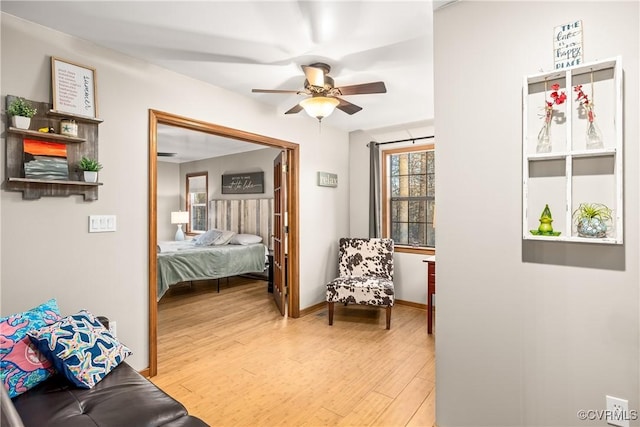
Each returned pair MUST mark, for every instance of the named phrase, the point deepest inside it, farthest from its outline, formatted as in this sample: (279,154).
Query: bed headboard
(250,216)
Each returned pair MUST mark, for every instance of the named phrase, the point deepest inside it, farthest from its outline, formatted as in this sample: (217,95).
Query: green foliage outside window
(412,201)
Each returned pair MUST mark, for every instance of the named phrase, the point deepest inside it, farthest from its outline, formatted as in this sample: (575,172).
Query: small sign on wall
(326,179)
(74,88)
(243,183)
(567,45)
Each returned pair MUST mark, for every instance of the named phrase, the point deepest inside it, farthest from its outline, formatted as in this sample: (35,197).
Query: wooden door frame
(159,117)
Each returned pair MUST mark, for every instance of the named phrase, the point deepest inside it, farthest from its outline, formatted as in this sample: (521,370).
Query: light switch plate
(102,223)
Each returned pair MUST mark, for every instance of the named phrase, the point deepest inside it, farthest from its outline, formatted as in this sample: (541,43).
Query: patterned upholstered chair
(365,275)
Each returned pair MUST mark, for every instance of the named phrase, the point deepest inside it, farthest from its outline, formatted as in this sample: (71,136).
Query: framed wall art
(243,183)
(74,88)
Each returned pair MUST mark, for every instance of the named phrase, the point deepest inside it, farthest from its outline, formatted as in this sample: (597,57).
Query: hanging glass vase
(544,137)
(594,136)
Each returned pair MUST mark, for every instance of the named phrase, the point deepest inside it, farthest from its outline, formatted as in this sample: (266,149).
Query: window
(408,198)
(197,195)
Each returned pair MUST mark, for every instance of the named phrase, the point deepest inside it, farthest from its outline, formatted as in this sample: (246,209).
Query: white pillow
(245,239)
(225,238)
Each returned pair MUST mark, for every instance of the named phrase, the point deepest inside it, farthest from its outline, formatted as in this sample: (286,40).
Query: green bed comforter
(210,262)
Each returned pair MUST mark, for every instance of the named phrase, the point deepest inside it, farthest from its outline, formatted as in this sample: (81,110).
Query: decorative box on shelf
(572,149)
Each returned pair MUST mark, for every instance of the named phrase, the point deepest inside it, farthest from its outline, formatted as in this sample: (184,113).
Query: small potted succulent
(90,168)
(21,112)
(592,219)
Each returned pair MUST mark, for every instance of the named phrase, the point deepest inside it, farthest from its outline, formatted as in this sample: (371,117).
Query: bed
(186,261)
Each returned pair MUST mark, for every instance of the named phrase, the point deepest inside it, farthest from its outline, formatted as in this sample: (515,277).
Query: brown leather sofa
(122,398)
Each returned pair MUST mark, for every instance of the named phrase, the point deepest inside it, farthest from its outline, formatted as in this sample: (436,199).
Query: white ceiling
(242,45)
(174,140)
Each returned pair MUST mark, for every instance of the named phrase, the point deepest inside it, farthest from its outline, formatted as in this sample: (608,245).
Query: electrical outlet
(617,412)
(112,327)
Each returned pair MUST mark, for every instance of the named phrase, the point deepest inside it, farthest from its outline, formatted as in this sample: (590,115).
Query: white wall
(46,249)
(250,161)
(169,185)
(172,182)
(328,156)
(527,333)
(410,273)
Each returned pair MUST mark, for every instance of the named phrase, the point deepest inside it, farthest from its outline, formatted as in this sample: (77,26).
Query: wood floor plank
(426,413)
(232,360)
(403,374)
(367,410)
(402,409)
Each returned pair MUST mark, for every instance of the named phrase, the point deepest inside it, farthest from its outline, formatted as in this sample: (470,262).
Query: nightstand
(270,280)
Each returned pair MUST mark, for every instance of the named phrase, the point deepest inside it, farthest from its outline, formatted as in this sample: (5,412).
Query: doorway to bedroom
(288,203)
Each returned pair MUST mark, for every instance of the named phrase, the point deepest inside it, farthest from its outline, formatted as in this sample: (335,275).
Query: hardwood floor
(232,360)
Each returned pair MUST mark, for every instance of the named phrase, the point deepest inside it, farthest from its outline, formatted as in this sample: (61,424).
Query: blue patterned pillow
(21,365)
(80,348)
(208,238)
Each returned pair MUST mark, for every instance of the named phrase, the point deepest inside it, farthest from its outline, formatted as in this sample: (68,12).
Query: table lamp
(179,218)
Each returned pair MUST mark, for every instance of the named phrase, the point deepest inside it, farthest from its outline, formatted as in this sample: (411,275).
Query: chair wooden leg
(388,317)
(330,305)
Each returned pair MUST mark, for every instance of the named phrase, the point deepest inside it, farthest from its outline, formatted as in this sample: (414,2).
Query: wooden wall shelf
(33,189)
(54,181)
(62,114)
(571,173)
(84,145)
(44,135)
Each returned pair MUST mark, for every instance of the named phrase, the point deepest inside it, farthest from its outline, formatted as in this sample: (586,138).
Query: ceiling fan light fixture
(319,106)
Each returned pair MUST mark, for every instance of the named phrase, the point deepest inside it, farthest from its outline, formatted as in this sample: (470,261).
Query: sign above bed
(243,183)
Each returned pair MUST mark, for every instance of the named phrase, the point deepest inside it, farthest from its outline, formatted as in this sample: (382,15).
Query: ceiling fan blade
(295,109)
(315,76)
(364,88)
(273,91)
(348,107)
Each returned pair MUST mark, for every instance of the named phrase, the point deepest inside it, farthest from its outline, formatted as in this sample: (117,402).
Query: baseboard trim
(313,308)
(412,304)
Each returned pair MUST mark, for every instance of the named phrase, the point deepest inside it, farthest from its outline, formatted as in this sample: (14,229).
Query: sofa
(122,398)
(70,372)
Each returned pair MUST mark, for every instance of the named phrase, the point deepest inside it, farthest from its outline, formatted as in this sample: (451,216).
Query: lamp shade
(179,217)
(319,106)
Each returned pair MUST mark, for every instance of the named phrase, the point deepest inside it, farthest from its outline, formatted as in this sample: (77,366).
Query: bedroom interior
(246,217)
(234,217)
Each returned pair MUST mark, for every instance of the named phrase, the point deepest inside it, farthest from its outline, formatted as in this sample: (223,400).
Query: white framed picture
(74,88)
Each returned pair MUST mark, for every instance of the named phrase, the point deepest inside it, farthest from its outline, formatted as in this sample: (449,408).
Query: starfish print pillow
(81,348)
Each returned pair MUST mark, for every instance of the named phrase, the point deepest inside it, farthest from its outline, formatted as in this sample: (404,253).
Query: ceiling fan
(324,96)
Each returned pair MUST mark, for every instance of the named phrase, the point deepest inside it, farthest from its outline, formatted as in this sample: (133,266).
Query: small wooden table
(431,289)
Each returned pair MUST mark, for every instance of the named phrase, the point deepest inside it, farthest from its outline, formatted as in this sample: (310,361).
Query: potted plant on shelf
(90,168)
(21,112)
(592,219)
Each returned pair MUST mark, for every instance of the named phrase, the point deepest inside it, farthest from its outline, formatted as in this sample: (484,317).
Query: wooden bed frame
(249,216)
